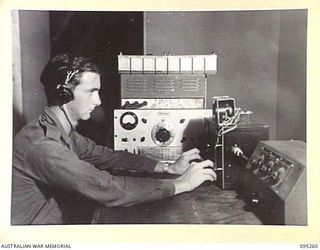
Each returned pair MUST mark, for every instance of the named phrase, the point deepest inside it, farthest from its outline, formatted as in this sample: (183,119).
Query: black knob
(163,135)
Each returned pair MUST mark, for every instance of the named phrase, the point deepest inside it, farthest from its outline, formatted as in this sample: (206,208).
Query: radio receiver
(160,134)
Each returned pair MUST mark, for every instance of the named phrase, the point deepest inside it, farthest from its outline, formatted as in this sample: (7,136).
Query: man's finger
(192,157)
(200,166)
(192,151)
(205,164)
(210,173)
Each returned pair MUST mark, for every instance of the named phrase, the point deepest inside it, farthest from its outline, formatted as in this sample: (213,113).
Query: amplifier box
(229,166)
(160,134)
(275,185)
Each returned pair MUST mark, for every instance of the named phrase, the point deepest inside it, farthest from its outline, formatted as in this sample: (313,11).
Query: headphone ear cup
(64,95)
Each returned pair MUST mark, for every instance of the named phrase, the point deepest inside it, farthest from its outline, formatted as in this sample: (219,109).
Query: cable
(230,123)
(65,114)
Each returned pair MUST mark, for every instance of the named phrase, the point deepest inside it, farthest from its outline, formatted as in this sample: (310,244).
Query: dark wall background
(100,36)
(291,102)
(255,64)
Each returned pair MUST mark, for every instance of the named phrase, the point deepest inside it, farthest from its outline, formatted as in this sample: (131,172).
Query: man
(53,164)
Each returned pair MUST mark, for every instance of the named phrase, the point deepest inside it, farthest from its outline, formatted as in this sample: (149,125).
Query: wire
(230,123)
(65,114)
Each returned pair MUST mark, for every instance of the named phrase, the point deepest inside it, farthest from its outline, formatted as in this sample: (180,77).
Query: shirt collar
(53,126)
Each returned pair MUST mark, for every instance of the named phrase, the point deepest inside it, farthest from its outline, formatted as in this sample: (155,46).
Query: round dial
(128,120)
(162,134)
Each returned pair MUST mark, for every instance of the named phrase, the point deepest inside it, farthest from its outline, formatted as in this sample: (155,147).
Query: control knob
(162,134)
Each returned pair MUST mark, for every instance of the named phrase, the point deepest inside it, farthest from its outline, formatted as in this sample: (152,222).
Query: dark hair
(55,74)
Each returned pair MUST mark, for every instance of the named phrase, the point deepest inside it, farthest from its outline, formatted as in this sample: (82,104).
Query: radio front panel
(160,134)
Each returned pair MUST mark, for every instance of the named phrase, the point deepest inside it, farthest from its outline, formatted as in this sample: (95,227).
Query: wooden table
(208,204)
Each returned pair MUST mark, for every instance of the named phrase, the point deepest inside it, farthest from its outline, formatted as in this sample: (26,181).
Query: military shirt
(49,166)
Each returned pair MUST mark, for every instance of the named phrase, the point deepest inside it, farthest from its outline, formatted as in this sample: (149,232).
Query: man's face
(86,97)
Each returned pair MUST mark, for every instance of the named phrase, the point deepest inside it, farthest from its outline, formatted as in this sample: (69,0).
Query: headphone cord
(65,114)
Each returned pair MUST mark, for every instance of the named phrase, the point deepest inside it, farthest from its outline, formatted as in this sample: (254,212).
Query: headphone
(64,93)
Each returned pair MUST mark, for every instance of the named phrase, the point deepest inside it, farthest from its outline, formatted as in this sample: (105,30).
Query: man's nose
(96,99)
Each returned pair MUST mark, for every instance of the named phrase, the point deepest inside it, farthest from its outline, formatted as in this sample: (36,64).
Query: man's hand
(183,163)
(194,176)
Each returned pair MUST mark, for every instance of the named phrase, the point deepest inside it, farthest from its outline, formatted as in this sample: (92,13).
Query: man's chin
(85,118)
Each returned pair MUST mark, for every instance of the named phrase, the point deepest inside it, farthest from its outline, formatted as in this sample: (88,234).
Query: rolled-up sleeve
(52,163)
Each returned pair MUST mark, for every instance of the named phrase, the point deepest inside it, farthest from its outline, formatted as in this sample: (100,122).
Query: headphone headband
(70,74)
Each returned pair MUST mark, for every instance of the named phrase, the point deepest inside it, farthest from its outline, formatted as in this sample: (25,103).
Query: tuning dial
(162,134)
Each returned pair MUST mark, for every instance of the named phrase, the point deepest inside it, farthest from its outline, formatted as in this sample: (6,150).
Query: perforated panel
(163,86)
